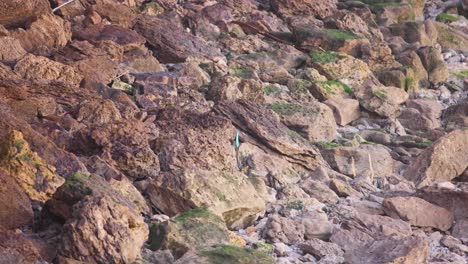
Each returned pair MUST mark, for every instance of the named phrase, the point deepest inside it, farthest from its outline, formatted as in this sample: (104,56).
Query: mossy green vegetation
(381,94)
(288,109)
(446,18)
(296,205)
(462,74)
(323,57)
(339,34)
(241,72)
(266,248)
(201,212)
(225,254)
(328,145)
(408,84)
(271,89)
(328,87)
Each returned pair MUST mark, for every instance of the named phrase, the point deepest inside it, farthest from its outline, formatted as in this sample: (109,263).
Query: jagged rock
(127,38)
(413,61)
(314,121)
(453,200)
(98,112)
(21,248)
(304,7)
(369,160)
(125,145)
(39,68)
(343,188)
(18,12)
(344,110)
(395,13)
(412,32)
(320,249)
(37,178)
(15,206)
(421,115)
(432,60)
(171,42)
(196,229)
(45,35)
(10,50)
(262,124)
(319,191)
(233,88)
(404,250)
(456,116)
(418,212)
(103,230)
(444,160)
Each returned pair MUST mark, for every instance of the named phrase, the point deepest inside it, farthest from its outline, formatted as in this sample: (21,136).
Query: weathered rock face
(383,100)
(37,178)
(304,7)
(10,50)
(103,230)
(172,43)
(453,200)
(260,123)
(443,161)
(404,250)
(17,13)
(421,115)
(15,206)
(344,110)
(45,35)
(449,37)
(434,64)
(20,248)
(40,68)
(367,160)
(418,212)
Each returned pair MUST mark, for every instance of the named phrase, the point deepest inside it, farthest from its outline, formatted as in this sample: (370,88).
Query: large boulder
(421,114)
(345,110)
(435,66)
(23,248)
(40,68)
(18,12)
(366,160)
(313,120)
(103,230)
(15,206)
(445,160)
(383,100)
(418,212)
(451,38)
(45,35)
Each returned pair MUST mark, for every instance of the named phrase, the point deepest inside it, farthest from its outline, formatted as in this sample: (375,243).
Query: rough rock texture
(10,50)
(37,178)
(102,229)
(15,206)
(418,212)
(304,7)
(17,12)
(443,161)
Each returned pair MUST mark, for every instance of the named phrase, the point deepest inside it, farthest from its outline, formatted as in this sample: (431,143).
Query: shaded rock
(444,160)
(412,32)
(343,188)
(435,66)
(413,61)
(450,199)
(421,115)
(418,212)
(460,230)
(15,206)
(17,12)
(261,124)
(344,110)
(456,116)
(103,230)
(24,249)
(45,35)
(125,145)
(314,121)
(172,43)
(285,230)
(404,250)
(392,13)
(10,50)
(367,160)
(233,88)
(304,7)
(196,229)
(98,112)
(40,68)
(37,178)
(319,191)
(127,38)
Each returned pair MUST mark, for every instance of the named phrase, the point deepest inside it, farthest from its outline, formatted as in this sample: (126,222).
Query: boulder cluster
(234,131)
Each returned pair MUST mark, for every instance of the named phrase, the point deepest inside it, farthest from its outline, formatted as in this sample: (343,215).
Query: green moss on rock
(225,254)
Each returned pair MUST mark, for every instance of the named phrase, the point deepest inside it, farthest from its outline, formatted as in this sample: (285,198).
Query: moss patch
(241,72)
(339,34)
(323,57)
(271,89)
(328,87)
(225,254)
(461,74)
(329,145)
(381,94)
(201,212)
(446,18)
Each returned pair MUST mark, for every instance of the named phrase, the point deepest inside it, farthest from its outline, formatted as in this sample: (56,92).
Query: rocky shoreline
(234,131)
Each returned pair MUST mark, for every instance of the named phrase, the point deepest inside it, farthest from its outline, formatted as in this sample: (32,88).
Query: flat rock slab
(418,212)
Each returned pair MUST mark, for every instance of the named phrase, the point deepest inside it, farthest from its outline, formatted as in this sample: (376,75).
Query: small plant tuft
(446,18)
(323,57)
